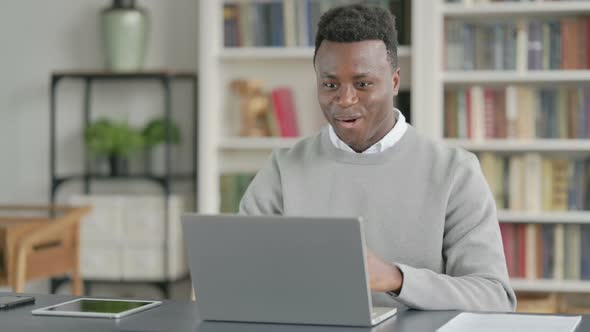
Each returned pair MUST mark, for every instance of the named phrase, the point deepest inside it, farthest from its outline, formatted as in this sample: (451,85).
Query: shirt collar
(389,140)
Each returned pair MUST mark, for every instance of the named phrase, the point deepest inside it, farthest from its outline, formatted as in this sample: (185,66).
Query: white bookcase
(518,9)
(430,79)
(221,150)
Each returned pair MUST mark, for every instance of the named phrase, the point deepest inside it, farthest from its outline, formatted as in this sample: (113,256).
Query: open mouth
(348,123)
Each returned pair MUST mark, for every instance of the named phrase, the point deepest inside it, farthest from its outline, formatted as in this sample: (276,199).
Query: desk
(182,317)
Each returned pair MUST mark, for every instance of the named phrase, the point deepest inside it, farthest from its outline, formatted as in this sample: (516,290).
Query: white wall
(38,37)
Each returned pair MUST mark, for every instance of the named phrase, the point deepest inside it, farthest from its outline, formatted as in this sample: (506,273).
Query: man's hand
(383,276)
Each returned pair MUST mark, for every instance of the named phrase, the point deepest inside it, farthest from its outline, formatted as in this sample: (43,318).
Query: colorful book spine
(276,24)
(523,112)
(285,112)
(525,44)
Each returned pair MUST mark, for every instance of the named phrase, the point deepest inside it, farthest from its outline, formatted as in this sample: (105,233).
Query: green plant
(154,132)
(110,139)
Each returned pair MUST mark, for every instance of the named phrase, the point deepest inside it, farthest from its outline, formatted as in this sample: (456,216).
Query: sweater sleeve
(264,194)
(476,276)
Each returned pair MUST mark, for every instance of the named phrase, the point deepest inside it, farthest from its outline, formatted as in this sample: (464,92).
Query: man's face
(356,85)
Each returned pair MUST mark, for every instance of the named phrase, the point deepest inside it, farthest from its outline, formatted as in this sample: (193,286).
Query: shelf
(507,77)
(525,285)
(516,9)
(545,217)
(140,74)
(281,53)
(132,177)
(257,143)
(510,145)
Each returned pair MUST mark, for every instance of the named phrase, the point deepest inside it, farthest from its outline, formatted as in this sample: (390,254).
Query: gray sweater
(427,209)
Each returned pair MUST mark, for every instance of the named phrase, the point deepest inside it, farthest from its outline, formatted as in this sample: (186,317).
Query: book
(521,45)
(560,174)
(477,110)
(283,106)
(572,253)
(558,252)
(463,106)
(531,251)
(490,109)
(276,23)
(232,188)
(533,177)
(450,129)
(548,235)
(525,44)
(516,190)
(231,25)
(508,234)
(290,22)
(535,45)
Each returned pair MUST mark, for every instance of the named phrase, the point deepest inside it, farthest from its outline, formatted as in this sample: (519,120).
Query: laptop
(276,269)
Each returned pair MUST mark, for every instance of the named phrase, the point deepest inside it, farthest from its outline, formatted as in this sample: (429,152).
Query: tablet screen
(99,306)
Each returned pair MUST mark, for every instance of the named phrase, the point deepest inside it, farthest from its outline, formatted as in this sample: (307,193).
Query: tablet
(100,308)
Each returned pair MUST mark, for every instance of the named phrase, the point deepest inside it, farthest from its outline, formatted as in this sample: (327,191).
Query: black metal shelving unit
(165,78)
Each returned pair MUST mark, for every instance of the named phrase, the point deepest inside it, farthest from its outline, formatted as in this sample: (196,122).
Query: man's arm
(264,194)
(475,276)
(383,276)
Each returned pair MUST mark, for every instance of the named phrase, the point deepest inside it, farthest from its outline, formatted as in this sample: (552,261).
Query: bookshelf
(545,217)
(423,71)
(514,145)
(513,77)
(296,53)
(550,286)
(222,150)
(261,143)
(436,78)
(515,9)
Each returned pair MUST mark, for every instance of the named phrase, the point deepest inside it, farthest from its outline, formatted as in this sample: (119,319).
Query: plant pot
(119,166)
(155,160)
(125,32)
(99,166)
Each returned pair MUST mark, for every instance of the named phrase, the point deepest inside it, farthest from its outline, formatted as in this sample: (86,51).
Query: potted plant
(115,141)
(154,137)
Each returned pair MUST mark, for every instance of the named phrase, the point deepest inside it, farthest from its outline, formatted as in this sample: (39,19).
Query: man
(430,219)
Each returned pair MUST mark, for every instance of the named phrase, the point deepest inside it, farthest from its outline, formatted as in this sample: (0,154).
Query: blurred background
(128,113)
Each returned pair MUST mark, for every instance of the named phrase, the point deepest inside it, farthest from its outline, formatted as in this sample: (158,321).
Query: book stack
(520,112)
(530,182)
(534,44)
(292,23)
(547,251)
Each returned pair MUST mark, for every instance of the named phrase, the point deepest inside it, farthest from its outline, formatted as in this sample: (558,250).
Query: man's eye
(363,84)
(330,85)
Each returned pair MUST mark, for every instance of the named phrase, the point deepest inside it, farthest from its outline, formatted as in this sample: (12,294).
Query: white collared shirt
(389,140)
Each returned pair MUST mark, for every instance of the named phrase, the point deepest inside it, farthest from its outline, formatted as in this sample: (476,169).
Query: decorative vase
(125,30)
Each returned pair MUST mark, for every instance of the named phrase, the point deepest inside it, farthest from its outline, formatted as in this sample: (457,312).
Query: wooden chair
(40,242)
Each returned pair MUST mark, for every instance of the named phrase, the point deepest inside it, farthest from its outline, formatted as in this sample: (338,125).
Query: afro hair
(356,23)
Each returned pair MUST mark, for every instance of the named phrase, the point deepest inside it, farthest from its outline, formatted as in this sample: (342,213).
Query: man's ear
(396,81)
